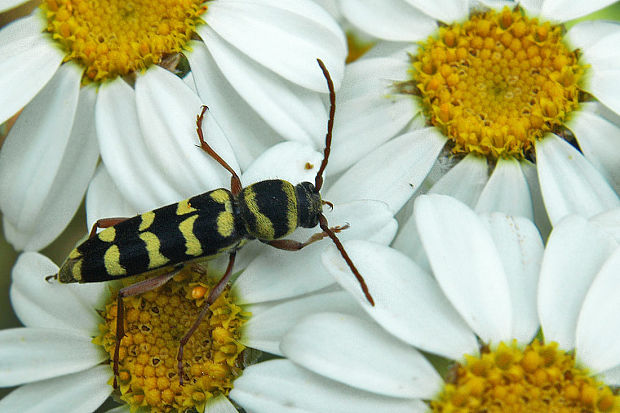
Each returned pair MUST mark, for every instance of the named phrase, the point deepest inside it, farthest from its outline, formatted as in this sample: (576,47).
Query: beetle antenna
(318,181)
(360,279)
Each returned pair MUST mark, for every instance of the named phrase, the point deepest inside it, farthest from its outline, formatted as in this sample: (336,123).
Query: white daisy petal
(287,38)
(466,265)
(574,254)
(562,10)
(409,243)
(408,302)
(273,387)
(32,354)
(273,275)
(604,85)
(292,111)
(532,6)
(220,404)
(507,191)
(602,54)
(392,20)
(291,161)
(584,34)
(599,141)
(104,200)
(73,393)
(248,138)
(39,303)
(521,249)
(609,221)
(569,183)
(367,89)
(264,331)
(167,111)
(464,181)
(497,5)
(353,351)
(611,377)
(123,150)
(541,219)
(29,61)
(391,173)
(597,325)
(44,180)
(447,11)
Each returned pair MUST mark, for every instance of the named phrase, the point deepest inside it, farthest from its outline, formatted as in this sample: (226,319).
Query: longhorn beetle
(160,242)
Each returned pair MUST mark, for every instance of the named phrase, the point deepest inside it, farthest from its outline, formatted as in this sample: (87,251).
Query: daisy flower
(60,359)
(492,287)
(508,107)
(91,73)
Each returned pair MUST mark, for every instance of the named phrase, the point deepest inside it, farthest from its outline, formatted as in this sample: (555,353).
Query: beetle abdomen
(201,226)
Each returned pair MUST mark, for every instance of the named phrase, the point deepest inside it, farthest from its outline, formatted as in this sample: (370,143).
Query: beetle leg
(105,223)
(292,245)
(235,182)
(213,295)
(138,288)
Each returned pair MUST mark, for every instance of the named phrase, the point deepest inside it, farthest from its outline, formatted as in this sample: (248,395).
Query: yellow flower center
(539,378)
(113,38)
(155,321)
(497,82)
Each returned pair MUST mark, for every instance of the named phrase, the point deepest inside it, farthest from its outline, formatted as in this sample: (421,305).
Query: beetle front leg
(213,295)
(292,245)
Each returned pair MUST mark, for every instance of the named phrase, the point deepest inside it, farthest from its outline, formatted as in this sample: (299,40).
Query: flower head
(492,288)
(100,78)
(495,95)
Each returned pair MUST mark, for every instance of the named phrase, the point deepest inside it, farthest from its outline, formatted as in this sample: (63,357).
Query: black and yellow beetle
(162,241)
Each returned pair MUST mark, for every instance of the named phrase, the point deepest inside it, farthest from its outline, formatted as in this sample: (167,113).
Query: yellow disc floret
(155,321)
(497,82)
(537,379)
(113,38)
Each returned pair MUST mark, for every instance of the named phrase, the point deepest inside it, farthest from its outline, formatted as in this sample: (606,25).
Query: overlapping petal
(271,23)
(596,324)
(248,138)
(43,179)
(393,20)
(33,354)
(391,173)
(569,183)
(276,274)
(466,264)
(273,386)
(73,393)
(573,256)
(521,249)
(353,351)
(408,302)
(265,329)
(23,46)
(48,304)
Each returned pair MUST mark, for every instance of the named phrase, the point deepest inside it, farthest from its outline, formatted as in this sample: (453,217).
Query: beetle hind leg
(213,295)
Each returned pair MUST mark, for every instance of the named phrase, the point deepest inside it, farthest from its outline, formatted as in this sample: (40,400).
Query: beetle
(159,243)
